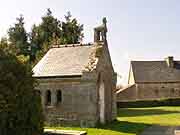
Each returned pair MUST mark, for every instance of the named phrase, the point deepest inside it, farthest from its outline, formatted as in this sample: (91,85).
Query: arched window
(48,97)
(59,96)
(156,91)
(173,90)
(37,92)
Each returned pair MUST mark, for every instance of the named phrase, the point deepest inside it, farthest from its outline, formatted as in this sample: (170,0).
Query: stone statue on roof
(100,31)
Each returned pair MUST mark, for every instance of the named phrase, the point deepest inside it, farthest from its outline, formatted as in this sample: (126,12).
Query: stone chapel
(77,82)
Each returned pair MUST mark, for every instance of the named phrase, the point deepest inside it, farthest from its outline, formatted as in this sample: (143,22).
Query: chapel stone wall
(78,106)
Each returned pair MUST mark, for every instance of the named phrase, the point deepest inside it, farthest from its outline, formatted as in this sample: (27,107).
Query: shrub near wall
(149,103)
(20,105)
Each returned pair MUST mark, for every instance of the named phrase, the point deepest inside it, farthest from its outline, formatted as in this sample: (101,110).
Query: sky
(137,29)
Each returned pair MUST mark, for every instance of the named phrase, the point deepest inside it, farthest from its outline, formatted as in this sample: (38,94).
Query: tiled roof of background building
(155,71)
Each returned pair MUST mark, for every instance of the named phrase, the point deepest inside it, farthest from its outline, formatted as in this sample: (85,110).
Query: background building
(152,80)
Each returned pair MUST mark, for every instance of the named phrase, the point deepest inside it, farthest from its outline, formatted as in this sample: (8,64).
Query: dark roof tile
(63,61)
(155,71)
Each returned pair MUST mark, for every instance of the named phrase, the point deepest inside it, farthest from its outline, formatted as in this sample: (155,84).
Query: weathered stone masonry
(77,83)
(78,101)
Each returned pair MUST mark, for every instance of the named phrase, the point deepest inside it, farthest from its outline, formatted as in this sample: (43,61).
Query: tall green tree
(41,36)
(36,42)
(53,31)
(4,44)
(20,104)
(18,36)
(49,26)
(72,31)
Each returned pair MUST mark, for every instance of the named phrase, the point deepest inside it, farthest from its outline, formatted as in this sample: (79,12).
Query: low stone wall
(63,132)
(127,94)
(158,91)
(149,91)
(177,132)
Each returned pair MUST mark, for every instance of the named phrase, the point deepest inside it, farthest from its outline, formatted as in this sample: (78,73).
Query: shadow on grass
(117,126)
(129,112)
(125,126)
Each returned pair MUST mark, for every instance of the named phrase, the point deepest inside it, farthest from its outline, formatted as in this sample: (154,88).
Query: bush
(150,103)
(20,105)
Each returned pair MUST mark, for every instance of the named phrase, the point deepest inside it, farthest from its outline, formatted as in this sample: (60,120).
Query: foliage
(6,47)
(18,36)
(71,30)
(49,26)
(44,32)
(40,54)
(150,103)
(37,42)
(132,121)
(53,31)
(23,59)
(20,104)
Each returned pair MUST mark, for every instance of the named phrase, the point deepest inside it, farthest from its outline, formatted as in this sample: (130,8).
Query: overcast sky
(137,29)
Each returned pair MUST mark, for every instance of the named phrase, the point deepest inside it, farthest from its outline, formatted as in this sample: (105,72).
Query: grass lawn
(132,121)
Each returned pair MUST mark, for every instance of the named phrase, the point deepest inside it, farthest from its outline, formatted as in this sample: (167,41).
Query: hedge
(150,103)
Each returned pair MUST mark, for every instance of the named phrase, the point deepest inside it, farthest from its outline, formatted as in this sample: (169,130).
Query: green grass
(132,121)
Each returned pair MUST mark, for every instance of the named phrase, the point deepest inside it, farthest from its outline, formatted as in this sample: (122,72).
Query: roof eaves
(58,76)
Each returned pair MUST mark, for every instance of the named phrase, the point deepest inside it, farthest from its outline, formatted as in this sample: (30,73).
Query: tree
(4,44)
(41,36)
(20,104)
(71,30)
(18,36)
(53,31)
(35,42)
(49,26)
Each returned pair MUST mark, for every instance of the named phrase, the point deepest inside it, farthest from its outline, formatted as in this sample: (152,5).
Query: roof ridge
(70,45)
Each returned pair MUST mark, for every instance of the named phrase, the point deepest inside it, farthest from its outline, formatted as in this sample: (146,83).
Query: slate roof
(155,71)
(63,61)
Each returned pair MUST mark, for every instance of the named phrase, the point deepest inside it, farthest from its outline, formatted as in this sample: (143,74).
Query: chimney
(169,61)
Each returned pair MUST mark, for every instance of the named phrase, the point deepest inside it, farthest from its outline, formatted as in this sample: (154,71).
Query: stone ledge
(63,132)
(177,132)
